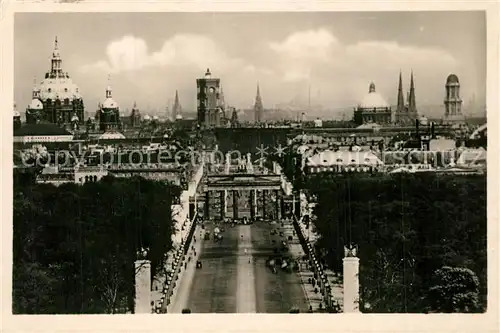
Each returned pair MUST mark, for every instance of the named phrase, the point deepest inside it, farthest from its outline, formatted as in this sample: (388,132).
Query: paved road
(229,283)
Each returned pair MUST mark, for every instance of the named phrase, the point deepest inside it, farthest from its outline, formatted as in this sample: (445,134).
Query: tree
(406,227)
(80,242)
(454,289)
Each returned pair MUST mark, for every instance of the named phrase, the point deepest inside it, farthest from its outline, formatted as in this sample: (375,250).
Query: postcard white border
(248,323)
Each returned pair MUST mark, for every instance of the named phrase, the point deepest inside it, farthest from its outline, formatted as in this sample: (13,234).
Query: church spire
(258,108)
(412,107)
(176,111)
(401,100)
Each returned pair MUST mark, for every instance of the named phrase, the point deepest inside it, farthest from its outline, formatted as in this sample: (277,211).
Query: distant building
(57,99)
(135,116)
(108,114)
(210,112)
(258,107)
(452,100)
(373,108)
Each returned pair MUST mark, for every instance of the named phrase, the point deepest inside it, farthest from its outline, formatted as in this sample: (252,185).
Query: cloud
(338,72)
(345,70)
(130,53)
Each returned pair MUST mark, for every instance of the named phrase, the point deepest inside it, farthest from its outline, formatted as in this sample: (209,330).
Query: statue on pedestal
(350,251)
(142,254)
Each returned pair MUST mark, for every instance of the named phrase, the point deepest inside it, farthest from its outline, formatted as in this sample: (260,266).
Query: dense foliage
(407,227)
(74,246)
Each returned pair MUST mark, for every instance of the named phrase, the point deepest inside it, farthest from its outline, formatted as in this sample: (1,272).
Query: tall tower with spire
(258,108)
(177,108)
(401,99)
(135,116)
(406,110)
(412,105)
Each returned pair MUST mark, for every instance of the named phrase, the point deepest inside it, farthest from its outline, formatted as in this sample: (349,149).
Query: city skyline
(151,55)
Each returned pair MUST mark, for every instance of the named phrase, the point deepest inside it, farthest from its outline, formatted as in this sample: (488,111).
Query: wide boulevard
(234,277)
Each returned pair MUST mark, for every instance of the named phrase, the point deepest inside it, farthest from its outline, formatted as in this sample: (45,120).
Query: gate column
(277,203)
(235,204)
(264,194)
(207,205)
(222,204)
(252,203)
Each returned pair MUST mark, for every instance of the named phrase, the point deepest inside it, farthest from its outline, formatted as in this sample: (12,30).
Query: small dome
(36,104)
(178,117)
(373,99)
(155,117)
(146,117)
(452,78)
(109,103)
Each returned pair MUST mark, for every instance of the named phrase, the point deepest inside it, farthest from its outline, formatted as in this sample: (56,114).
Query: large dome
(109,103)
(36,104)
(59,88)
(373,100)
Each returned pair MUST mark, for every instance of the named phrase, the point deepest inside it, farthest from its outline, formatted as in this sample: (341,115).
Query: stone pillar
(222,204)
(225,202)
(351,281)
(277,204)
(235,204)
(207,205)
(142,301)
(252,204)
(264,194)
(227,163)
(282,205)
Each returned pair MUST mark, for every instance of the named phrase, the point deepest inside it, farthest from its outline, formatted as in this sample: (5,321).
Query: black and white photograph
(250,162)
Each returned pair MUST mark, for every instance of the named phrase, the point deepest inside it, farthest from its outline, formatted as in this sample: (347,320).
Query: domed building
(373,108)
(57,99)
(108,114)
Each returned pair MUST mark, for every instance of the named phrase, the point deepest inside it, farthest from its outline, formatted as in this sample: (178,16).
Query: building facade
(57,99)
(210,113)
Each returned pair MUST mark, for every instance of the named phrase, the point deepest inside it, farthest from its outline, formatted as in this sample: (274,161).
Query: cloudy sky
(150,55)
